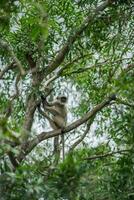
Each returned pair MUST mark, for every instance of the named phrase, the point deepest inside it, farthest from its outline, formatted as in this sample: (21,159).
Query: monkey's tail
(63,146)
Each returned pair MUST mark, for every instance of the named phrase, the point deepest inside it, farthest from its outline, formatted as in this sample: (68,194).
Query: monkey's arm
(52,110)
(45,115)
(48,106)
(42,112)
(47,103)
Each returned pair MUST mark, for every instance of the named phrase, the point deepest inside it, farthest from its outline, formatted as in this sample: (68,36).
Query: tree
(44,46)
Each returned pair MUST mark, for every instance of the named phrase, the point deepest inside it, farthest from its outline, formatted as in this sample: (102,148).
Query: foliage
(94,51)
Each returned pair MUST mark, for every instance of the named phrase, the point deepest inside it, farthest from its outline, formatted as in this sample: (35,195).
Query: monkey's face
(62,99)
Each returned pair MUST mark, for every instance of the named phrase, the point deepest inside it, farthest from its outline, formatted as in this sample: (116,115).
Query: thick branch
(13,159)
(45,135)
(30,60)
(73,37)
(31,103)
(31,107)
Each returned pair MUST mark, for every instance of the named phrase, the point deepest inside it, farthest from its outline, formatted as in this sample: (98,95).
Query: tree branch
(16,60)
(83,136)
(106,155)
(81,70)
(31,98)
(120,101)
(32,65)
(16,87)
(60,71)
(129,67)
(6,69)
(31,107)
(10,105)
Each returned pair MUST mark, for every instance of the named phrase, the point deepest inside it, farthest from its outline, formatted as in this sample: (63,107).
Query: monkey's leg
(45,115)
(52,110)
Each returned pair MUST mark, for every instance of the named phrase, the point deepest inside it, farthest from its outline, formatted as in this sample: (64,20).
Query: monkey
(58,119)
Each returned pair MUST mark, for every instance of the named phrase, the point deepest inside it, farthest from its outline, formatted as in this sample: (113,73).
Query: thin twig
(107,154)
(120,101)
(83,136)
(7,46)
(6,69)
